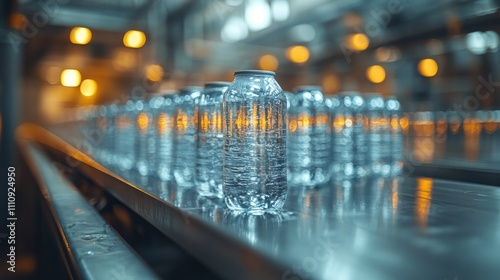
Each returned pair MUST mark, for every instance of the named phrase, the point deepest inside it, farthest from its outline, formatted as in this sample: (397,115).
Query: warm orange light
(330,83)
(88,87)
(297,54)
(71,78)
(204,123)
(454,126)
(490,126)
(358,41)
(162,123)
(80,35)
(142,121)
(134,39)
(404,123)
(304,120)
(154,73)
(375,74)
(424,128)
(182,121)
(268,62)
(428,67)
(441,127)
(292,125)
(472,127)
(423,201)
(52,75)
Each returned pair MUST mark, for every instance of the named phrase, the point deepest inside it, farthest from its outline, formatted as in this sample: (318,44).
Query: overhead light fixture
(134,39)
(88,87)
(234,30)
(297,54)
(358,41)
(428,67)
(375,74)
(154,73)
(70,78)
(80,35)
(268,62)
(257,15)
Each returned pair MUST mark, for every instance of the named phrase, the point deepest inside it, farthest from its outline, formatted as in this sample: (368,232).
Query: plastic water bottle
(164,119)
(393,108)
(146,140)
(289,99)
(379,153)
(210,140)
(125,135)
(309,138)
(254,126)
(184,133)
(348,136)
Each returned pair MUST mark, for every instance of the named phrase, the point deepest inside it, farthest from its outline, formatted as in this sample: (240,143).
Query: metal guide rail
(92,248)
(369,228)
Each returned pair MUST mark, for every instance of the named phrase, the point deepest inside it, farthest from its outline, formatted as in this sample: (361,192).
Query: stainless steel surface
(375,228)
(94,249)
(475,160)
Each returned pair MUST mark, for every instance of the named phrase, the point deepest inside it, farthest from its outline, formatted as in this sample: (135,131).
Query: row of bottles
(246,141)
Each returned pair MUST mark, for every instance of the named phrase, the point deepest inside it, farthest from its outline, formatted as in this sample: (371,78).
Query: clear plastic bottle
(393,108)
(379,133)
(209,140)
(108,122)
(165,120)
(184,149)
(309,140)
(125,135)
(348,136)
(146,140)
(254,126)
(289,99)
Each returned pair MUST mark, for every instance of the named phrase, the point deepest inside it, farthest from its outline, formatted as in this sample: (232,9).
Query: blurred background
(432,55)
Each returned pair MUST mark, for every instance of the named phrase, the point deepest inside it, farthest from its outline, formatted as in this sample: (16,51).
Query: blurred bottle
(210,140)
(393,108)
(146,140)
(348,136)
(184,149)
(379,135)
(309,138)
(165,121)
(108,125)
(254,125)
(289,99)
(125,135)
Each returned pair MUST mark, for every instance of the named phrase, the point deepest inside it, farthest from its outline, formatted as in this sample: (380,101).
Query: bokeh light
(71,78)
(154,72)
(80,35)
(268,62)
(297,54)
(428,67)
(375,74)
(88,87)
(134,39)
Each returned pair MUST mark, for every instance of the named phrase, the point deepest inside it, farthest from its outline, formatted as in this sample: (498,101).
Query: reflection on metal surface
(423,201)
